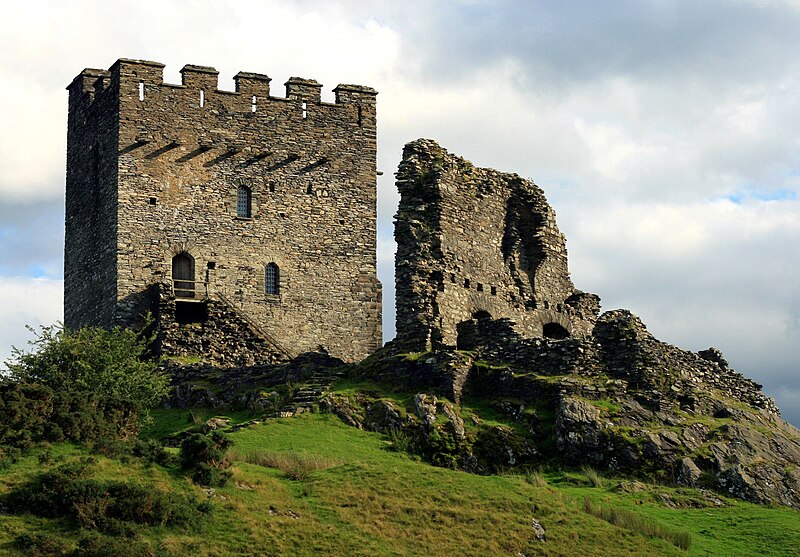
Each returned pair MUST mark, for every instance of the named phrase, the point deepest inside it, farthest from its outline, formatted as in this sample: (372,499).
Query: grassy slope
(373,501)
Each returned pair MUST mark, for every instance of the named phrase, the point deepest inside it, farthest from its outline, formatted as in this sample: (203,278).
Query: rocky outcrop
(619,400)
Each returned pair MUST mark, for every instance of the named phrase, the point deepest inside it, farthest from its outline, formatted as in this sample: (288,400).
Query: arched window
(271,279)
(183,275)
(244,202)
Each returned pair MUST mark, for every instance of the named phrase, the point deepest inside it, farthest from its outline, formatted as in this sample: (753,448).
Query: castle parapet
(143,80)
(354,94)
(200,77)
(256,84)
(303,89)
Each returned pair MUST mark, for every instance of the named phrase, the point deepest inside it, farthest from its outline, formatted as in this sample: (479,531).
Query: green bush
(110,362)
(205,457)
(115,508)
(33,413)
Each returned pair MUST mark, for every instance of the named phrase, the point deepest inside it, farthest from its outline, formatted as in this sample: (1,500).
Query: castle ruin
(196,203)
(475,243)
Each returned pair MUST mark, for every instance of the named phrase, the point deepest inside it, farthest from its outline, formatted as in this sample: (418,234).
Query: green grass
(355,496)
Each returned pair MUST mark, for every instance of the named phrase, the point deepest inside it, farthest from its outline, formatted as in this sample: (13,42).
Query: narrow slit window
(271,279)
(305,109)
(202,98)
(360,119)
(466,283)
(141,90)
(253,103)
(244,202)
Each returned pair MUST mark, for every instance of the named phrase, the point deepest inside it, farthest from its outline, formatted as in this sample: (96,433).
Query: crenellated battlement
(144,79)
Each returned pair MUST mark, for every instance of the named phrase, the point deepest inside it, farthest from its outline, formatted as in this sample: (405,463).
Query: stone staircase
(309,393)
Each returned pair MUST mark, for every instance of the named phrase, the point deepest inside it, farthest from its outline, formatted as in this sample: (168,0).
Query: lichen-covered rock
(425,407)
(579,430)
(382,416)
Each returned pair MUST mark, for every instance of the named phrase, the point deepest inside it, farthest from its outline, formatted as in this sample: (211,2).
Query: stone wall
(475,242)
(164,181)
(90,257)
(212,331)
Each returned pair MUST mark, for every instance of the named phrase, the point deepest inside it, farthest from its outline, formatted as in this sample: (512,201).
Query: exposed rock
(538,530)
(382,416)
(688,472)
(456,423)
(425,407)
(216,423)
(579,431)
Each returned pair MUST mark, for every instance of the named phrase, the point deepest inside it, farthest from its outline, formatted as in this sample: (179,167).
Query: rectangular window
(244,199)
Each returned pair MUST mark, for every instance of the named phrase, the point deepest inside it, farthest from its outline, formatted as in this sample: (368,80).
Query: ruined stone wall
(474,241)
(183,151)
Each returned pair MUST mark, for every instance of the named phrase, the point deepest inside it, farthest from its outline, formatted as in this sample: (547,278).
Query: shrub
(33,413)
(112,363)
(115,508)
(204,456)
(153,452)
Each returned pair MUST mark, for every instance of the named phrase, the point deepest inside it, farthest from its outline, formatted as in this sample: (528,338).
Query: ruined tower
(194,202)
(476,243)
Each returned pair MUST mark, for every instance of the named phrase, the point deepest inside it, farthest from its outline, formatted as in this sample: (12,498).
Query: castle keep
(197,204)
(475,243)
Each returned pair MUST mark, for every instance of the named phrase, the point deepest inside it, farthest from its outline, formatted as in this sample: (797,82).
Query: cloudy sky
(666,134)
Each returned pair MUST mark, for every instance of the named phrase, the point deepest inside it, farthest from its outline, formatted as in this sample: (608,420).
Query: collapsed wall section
(475,243)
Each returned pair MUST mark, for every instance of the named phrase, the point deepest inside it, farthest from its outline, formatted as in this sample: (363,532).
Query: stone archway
(554,331)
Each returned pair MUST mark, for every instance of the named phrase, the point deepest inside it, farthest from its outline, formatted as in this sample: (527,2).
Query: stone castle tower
(199,204)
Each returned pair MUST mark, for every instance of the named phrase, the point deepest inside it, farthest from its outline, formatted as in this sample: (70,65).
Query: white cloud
(27,301)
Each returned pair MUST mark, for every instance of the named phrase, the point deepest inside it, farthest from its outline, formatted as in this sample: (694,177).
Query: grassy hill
(310,485)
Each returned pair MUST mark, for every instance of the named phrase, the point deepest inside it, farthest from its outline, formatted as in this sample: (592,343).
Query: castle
(246,224)
(195,203)
(475,244)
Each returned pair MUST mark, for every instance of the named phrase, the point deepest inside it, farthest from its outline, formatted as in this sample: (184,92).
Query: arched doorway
(183,283)
(554,331)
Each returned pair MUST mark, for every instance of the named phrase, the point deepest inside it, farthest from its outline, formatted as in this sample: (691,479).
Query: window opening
(554,331)
(152,201)
(202,98)
(253,104)
(360,121)
(466,283)
(271,279)
(305,111)
(272,187)
(310,189)
(183,283)
(244,202)
(494,291)
(141,90)
(479,287)
(211,265)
